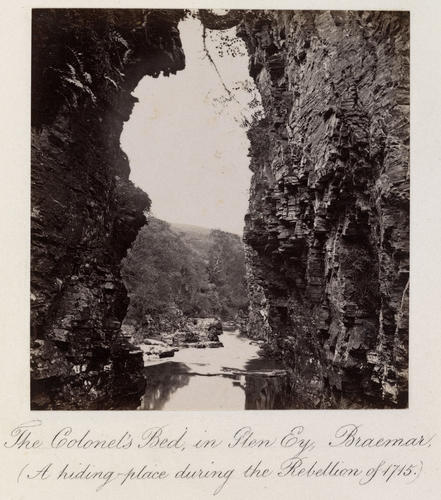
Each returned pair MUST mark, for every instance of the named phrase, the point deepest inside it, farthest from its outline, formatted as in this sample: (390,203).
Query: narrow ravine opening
(186,138)
(185,273)
(194,304)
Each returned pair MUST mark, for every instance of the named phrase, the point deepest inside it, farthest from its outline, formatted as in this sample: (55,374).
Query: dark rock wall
(327,229)
(85,211)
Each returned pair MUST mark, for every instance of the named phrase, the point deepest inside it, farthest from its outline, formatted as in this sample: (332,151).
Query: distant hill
(196,237)
(189,228)
(176,271)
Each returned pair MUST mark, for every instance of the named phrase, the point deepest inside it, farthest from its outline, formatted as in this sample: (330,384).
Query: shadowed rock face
(327,229)
(85,211)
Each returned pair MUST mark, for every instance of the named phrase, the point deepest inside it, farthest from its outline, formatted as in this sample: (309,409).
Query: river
(232,377)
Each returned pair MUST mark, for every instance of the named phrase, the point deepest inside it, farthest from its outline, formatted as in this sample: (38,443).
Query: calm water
(232,377)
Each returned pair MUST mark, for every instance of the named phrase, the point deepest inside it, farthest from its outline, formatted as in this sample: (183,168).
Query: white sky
(186,151)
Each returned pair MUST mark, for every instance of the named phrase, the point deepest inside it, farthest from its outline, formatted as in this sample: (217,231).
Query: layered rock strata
(85,211)
(327,231)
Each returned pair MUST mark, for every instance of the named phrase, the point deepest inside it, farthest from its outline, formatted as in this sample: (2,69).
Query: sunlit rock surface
(328,224)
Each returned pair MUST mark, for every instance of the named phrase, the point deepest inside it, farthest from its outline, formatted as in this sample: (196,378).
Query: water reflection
(267,393)
(162,381)
(230,378)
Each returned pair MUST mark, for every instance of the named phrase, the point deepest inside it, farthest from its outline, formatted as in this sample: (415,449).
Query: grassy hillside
(175,271)
(196,237)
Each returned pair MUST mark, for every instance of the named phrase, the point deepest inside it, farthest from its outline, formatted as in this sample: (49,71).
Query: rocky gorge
(85,211)
(327,231)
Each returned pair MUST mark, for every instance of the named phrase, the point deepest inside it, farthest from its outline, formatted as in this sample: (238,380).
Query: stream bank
(232,377)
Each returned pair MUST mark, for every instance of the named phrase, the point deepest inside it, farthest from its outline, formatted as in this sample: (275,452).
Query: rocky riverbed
(196,333)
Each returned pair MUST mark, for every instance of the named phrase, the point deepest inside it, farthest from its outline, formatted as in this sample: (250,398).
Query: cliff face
(85,211)
(327,229)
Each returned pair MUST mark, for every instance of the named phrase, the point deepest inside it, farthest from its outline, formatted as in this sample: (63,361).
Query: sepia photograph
(219,209)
